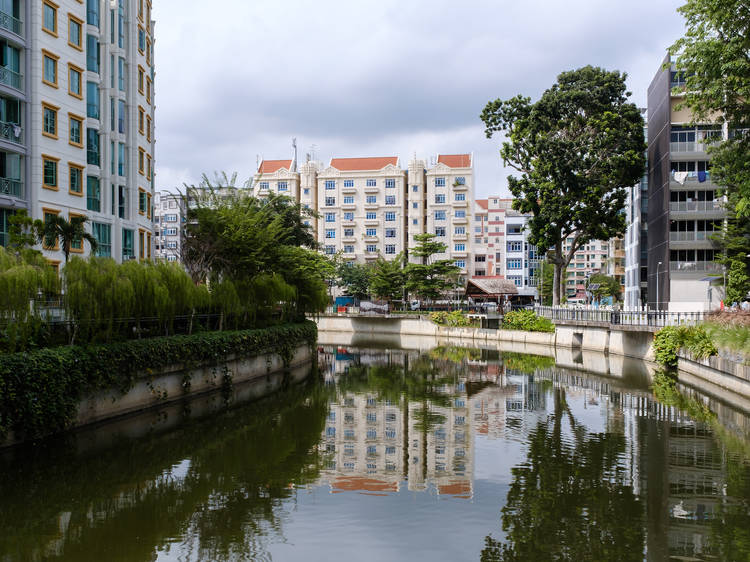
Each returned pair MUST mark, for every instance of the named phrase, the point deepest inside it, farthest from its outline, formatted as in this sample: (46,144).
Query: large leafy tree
(354,278)
(601,285)
(575,150)
(68,233)
(388,278)
(433,277)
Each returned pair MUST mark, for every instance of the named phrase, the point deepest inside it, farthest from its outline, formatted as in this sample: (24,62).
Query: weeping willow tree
(23,278)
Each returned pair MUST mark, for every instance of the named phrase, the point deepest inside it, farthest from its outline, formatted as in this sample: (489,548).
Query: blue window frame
(460,214)
(439,182)
(390,216)
(460,180)
(371,183)
(282,186)
(390,182)
(371,232)
(348,216)
(439,198)
(370,216)
(372,199)
(439,215)
(330,217)
(330,184)
(331,233)
(514,263)
(348,183)
(459,247)
(459,197)
(390,199)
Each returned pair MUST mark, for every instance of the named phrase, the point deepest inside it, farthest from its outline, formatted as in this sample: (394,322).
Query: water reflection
(449,454)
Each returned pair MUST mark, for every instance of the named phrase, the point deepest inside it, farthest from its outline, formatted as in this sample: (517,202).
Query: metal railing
(10,77)
(653,318)
(11,187)
(12,132)
(10,23)
(687,146)
(690,206)
(710,266)
(690,236)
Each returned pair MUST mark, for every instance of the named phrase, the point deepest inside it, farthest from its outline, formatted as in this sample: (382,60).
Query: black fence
(654,318)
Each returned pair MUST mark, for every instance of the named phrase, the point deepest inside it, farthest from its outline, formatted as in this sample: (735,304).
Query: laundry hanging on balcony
(701,177)
(680,177)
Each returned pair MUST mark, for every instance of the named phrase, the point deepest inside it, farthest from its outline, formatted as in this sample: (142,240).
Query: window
(148,90)
(141,161)
(75,82)
(121,74)
(460,263)
(148,128)
(459,197)
(331,233)
(439,215)
(92,54)
(415,205)
(514,246)
(514,263)
(349,216)
(459,247)
(103,234)
(93,194)
(439,182)
(140,79)
(371,199)
(371,249)
(460,214)
(370,216)
(330,217)
(440,231)
(371,232)
(49,172)
(148,166)
(439,198)
(348,232)
(516,279)
(459,230)
(75,35)
(514,228)
(330,201)
(141,39)
(121,159)
(49,119)
(348,183)
(390,182)
(390,232)
(348,200)
(390,249)
(49,17)
(371,183)
(92,100)
(330,184)
(263,185)
(390,216)
(49,68)
(480,259)
(92,147)
(348,249)
(460,181)
(415,188)
(121,116)
(128,250)
(390,199)
(92,12)
(282,186)
(330,250)
(75,179)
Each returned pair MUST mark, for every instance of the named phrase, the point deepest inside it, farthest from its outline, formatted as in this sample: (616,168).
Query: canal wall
(179,381)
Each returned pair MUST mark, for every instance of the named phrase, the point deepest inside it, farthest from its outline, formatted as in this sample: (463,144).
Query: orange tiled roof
(369,163)
(483,203)
(455,489)
(455,160)
(271,166)
(360,483)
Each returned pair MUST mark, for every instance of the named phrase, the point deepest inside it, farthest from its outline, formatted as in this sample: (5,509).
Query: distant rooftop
(455,160)
(363,164)
(271,166)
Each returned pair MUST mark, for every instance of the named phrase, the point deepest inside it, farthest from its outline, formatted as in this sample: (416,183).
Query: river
(386,454)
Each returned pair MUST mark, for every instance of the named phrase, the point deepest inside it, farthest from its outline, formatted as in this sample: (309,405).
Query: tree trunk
(557,285)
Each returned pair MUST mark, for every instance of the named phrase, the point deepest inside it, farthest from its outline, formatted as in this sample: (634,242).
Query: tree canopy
(388,278)
(575,150)
(431,278)
(601,285)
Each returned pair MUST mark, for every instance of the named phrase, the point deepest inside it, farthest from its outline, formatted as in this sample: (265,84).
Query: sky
(237,80)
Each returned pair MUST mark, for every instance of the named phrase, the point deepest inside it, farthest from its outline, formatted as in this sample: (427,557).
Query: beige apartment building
(279,177)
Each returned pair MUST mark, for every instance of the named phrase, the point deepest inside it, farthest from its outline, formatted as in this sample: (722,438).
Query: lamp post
(658,267)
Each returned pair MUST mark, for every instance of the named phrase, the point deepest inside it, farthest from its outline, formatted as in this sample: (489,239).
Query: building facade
(684,207)
(169,217)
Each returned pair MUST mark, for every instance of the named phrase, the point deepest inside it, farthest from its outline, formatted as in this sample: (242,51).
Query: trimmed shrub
(526,320)
(669,340)
(40,390)
(455,318)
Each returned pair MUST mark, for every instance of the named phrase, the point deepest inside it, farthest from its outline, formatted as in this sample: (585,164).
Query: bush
(528,321)
(40,390)
(454,319)
(669,340)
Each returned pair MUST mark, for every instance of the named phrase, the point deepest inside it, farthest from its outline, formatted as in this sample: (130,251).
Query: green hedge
(40,390)
(526,320)
(455,318)
(669,340)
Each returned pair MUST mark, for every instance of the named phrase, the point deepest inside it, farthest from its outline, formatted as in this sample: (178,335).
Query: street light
(658,267)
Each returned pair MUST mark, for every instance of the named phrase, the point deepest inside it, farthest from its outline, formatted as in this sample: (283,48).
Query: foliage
(431,278)
(671,339)
(548,280)
(40,390)
(575,149)
(526,320)
(608,286)
(455,318)
(23,233)
(354,278)
(713,60)
(68,233)
(23,278)
(388,278)
(526,362)
(455,354)
(738,282)
(729,333)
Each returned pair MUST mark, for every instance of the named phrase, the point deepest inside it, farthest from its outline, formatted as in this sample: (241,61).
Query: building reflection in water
(378,440)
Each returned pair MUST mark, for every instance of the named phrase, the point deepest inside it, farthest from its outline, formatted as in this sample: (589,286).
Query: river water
(387,454)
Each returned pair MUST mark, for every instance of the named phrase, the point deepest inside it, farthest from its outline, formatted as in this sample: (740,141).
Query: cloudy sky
(238,79)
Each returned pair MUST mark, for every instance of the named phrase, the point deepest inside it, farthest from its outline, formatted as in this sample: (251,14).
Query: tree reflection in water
(570,500)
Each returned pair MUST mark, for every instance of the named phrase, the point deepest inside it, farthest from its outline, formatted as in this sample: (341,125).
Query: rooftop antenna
(257,162)
(313,151)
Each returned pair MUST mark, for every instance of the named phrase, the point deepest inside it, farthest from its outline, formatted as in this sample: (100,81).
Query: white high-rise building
(77,118)
(169,217)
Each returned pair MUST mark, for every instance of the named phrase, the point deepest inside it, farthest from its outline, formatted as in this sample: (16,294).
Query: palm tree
(67,232)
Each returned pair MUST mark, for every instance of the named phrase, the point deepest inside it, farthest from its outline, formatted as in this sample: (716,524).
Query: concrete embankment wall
(178,382)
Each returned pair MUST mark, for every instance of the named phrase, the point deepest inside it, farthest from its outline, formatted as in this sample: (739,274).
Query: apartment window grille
(439,182)
(390,182)
(348,183)
(390,216)
(330,184)
(370,215)
(371,183)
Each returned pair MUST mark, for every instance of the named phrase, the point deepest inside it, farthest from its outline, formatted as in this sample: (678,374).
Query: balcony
(372,189)
(692,179)
(10,23)
(10,78)
(697,266)
(350,189)
(684,147)
(460,203)
(460,220)
(371,206)
(348,205)
(371,239)
(460,236)
(11,132)
(11,187)
(695,206)
(372,222)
